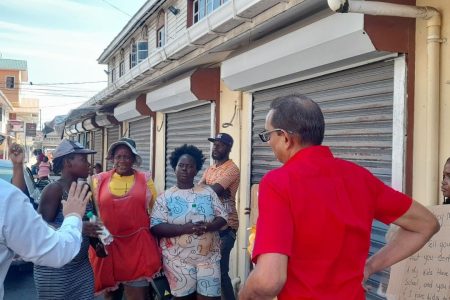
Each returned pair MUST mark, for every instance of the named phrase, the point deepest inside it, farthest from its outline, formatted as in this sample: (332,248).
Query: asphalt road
(19,284)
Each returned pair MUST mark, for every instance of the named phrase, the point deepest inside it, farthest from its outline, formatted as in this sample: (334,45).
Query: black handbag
(100,249)
(96,243)
(160,288)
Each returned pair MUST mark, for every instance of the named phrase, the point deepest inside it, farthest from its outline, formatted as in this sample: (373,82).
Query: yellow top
(120,185)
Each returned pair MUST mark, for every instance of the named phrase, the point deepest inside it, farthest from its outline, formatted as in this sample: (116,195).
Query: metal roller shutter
(358,106)
(98,146)
(112,135)
(191,126)
(141,133)
(88,138)
(82,139)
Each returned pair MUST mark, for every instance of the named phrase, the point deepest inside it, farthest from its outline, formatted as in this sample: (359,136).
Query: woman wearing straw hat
(124,197)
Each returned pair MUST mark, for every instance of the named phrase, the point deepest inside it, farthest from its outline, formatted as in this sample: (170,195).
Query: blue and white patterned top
(181,206)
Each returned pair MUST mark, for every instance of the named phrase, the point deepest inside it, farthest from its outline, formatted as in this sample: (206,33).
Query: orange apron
(134,253)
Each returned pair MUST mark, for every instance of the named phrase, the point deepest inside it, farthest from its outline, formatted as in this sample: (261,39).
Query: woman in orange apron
(124,197)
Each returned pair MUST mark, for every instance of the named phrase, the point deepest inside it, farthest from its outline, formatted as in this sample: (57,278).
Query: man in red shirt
(316,213)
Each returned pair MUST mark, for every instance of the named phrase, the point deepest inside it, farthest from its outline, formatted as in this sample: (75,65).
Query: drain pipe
(433,18)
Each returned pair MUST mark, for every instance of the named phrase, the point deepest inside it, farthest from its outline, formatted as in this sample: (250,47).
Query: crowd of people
(108,232)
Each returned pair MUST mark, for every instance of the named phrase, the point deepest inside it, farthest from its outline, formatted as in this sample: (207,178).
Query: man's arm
(267,279)
(221,185)
(29,236)
(417,226)
(216,187)
(17,157)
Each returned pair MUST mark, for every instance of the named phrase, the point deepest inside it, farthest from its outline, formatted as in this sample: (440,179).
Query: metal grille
(357,105)
(191,126)
(112,136)
(98,146)
(141,133)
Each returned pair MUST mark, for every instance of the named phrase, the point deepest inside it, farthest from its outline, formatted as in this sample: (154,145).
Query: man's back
(318,210)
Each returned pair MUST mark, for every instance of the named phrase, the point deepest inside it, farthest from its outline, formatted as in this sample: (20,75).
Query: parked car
(33,193)
(6,173)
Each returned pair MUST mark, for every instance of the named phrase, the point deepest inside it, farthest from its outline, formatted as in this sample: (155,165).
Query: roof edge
(146,9)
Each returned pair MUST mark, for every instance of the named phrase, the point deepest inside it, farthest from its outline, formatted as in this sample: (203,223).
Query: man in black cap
(223,178)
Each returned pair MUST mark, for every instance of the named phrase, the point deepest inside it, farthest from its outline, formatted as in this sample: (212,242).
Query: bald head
(299,114)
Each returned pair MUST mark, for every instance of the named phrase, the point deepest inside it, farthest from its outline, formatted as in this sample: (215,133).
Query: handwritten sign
(426,274)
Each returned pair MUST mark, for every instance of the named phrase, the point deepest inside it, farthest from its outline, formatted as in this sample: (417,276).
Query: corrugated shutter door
(140,132)
(191,126)
(112,136)
(98,146)
(357,105)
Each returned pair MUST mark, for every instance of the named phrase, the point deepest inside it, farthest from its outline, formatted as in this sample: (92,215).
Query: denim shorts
(137,283)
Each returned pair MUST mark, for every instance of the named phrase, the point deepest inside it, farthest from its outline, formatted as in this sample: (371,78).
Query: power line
(53,83)
(116,8)
(62,83)
(43,93)
(59,105)
(50,89)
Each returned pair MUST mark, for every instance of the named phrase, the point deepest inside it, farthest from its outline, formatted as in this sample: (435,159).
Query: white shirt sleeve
(29,236)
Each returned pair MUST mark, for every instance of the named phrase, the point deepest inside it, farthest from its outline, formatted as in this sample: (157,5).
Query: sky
(61,41)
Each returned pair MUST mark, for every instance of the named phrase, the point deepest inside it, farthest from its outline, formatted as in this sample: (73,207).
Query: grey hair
(299,114)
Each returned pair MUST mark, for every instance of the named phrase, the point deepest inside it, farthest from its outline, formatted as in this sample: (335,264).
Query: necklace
(126,187)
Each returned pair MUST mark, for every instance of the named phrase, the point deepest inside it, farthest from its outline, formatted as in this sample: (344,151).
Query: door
(112,135)
(141,133)
(191,126)
(358,109)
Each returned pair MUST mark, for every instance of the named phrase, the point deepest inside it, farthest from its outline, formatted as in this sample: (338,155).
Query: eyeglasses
(265,135)
(123,158)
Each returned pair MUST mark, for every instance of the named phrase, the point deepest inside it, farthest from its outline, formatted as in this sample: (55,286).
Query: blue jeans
(227,238)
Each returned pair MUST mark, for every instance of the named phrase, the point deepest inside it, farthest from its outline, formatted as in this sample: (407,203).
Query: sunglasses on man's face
(265,135)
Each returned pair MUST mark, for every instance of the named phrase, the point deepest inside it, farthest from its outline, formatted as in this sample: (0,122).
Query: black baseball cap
(222,137)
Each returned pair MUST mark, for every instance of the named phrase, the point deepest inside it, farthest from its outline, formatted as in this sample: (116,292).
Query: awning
(90,124)
(80,113)
(106,120)
(54,124)
(328,44)
(79,127)
(187,91)
(67,131)
(132,109)
(72,129)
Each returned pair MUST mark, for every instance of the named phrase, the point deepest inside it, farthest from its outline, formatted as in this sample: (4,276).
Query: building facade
(16,110)
(181,71)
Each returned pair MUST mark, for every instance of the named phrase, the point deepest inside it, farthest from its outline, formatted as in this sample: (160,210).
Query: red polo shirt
(318,210)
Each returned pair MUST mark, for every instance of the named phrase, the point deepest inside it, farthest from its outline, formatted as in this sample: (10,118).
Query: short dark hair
(58,163)
(98,165)
(191,150)
(300,115)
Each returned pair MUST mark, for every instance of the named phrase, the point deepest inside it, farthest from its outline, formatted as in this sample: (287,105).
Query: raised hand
(77,199)
(16,154)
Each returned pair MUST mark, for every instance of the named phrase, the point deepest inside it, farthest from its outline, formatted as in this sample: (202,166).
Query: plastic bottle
(196,217)
(105,236)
